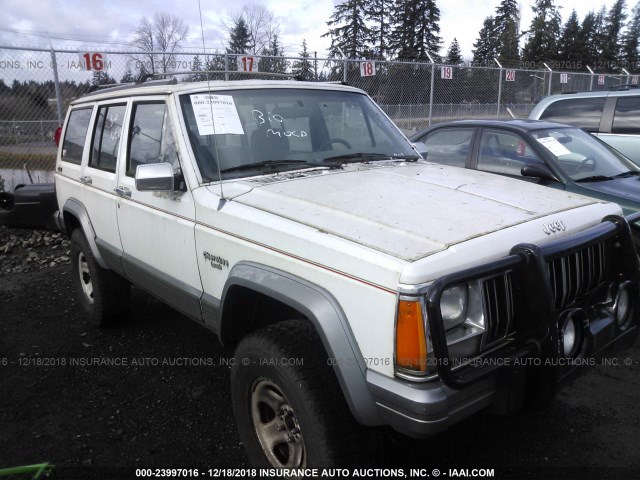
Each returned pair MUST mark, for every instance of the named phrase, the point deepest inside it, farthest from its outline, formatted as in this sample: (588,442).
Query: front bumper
(530,367)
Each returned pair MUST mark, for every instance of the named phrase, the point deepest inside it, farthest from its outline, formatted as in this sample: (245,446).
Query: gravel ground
(164,400)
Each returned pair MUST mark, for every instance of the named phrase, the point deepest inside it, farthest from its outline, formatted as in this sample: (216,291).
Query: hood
(408,211)
(625,191)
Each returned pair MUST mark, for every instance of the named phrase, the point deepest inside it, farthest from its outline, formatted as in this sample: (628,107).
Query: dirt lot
(164,401)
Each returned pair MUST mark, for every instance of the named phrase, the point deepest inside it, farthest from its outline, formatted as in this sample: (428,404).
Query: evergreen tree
(128,77)
(239,39)
(416,29)
(631,40)
(196,66)
(454,55)
(270,61)
(571,48)
(612,38)
(348,29)
(487,44)
(507,30)
(379,14)
(591,33)
(303,69)
(102,78)
(544,33)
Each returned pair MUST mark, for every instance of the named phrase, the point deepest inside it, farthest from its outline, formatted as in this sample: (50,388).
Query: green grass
(33,161)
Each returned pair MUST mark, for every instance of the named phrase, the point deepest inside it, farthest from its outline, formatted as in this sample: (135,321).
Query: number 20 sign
(93,61)
(367,69)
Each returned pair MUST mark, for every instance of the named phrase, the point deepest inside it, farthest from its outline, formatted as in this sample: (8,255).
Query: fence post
(591,81)
(499,88)
(628,75)
(56,84)
(550,77)
(433,72)
(226,66)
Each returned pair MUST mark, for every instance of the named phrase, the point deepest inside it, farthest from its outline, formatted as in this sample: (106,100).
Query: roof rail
(233,72)
(626,86)
(125,86)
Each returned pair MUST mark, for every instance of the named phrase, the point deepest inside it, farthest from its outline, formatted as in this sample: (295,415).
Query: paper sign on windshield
(216,114)
(554,146)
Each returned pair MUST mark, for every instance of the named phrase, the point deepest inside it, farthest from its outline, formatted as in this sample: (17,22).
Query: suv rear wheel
(103,294)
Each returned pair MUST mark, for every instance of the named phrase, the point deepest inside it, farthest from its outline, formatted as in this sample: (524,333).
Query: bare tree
(261,24)
(159,38)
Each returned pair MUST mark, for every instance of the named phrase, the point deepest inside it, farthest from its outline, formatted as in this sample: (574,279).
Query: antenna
(215,143)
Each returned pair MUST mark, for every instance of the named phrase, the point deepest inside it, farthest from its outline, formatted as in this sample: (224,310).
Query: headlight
(623,305)
(453,306)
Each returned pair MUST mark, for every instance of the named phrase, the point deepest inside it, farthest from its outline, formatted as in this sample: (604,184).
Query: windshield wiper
(363,157)
(267,163)
(630,173)
(595,178)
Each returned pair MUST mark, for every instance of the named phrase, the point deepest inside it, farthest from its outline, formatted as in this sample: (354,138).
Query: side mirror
(155,177)
(56,136)
(538,170)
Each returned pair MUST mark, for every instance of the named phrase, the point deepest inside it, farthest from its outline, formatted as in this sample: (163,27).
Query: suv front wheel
(287,402)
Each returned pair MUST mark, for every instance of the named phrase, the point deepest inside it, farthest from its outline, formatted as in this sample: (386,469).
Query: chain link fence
(37,85)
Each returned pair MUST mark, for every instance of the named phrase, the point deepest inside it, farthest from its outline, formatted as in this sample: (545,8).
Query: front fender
(329,320)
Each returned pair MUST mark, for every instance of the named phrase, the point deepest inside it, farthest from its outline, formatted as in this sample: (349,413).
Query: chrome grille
(497,293)
(574,275)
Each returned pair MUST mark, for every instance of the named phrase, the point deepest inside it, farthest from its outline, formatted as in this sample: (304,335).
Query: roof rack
(626,86)
(229,72)
(125,86)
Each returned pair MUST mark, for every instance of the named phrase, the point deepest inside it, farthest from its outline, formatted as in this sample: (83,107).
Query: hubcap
(276,426)
(85,277)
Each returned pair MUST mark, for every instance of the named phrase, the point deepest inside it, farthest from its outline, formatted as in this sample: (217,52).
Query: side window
(449,146)
(106,137)
(75,135)
(627,116)
(583,113)
(504,153)
(151,137)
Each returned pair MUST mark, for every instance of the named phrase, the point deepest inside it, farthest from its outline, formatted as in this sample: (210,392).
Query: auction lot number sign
(93,61)
(247,64)
(367,69)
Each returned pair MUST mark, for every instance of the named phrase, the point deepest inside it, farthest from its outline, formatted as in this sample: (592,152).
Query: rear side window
(449,146)
(106,137)
(627,116)
(583,113)
(75,135)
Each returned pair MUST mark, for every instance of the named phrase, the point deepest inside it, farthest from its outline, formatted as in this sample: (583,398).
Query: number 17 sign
(247,64)
(367,69)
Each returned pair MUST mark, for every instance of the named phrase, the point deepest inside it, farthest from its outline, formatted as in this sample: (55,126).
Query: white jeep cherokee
(359,284)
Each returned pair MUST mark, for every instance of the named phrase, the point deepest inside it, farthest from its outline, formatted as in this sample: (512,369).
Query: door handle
(123,191)
(87,180)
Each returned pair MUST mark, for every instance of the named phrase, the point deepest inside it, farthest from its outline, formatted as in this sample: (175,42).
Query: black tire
(312,412)
(103,294)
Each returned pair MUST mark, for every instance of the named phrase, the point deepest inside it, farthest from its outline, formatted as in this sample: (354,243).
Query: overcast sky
(109,25)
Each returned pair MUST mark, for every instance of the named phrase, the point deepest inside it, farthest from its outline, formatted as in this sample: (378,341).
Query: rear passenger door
(157,228)
(99,174)
(622,131)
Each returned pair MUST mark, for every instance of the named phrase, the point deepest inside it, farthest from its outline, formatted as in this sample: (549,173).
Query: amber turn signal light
(411,343)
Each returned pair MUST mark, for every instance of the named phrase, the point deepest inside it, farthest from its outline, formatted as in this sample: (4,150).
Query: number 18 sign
(367,69)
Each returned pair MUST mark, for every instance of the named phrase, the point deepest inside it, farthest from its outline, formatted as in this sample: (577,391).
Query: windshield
(583,157)
(257,131)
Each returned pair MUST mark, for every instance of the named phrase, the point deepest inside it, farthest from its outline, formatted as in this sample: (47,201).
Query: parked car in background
(613,115)
(29,206)
(551,154)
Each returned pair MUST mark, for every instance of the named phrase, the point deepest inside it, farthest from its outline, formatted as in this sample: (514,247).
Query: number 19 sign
(93,61)
(367,69)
